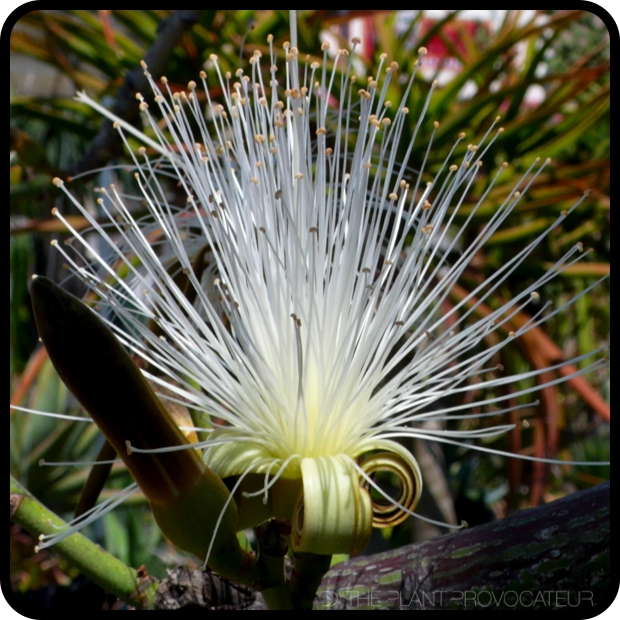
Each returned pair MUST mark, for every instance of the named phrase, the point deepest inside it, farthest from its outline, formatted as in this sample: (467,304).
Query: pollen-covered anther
(356,41)
(454,168)
(58,182)
(427,206)
(393,196)
(299,176)
(321,131)
(428,229)
(462,136)
(535,296)
(255,181)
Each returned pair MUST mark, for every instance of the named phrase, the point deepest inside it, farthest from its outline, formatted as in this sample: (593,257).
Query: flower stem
(308,572)
(99,566)
(272,551)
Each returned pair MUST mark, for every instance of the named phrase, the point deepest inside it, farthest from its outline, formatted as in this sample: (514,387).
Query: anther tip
(422,51)
(58,182)
(464,525)
(144,65)
(41,463)
(128,444)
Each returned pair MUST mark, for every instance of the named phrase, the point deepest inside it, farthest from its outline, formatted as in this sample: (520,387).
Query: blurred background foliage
(545,72)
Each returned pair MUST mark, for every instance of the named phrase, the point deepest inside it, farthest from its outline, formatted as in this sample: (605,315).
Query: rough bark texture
(552,557)
(186,589)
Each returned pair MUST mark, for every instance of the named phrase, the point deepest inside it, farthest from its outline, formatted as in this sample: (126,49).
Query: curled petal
(333,512)
(406,470)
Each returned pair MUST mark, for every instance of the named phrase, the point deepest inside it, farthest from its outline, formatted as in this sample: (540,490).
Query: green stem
(308,572)
(99,566)
(272,551)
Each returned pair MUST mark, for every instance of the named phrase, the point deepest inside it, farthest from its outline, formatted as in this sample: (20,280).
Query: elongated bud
(102,376)
(186,497)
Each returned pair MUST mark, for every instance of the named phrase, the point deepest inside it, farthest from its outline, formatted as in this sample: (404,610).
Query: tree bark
(553,557)
(548,558)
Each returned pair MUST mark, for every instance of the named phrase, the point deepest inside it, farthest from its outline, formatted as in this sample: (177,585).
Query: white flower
(312,334)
